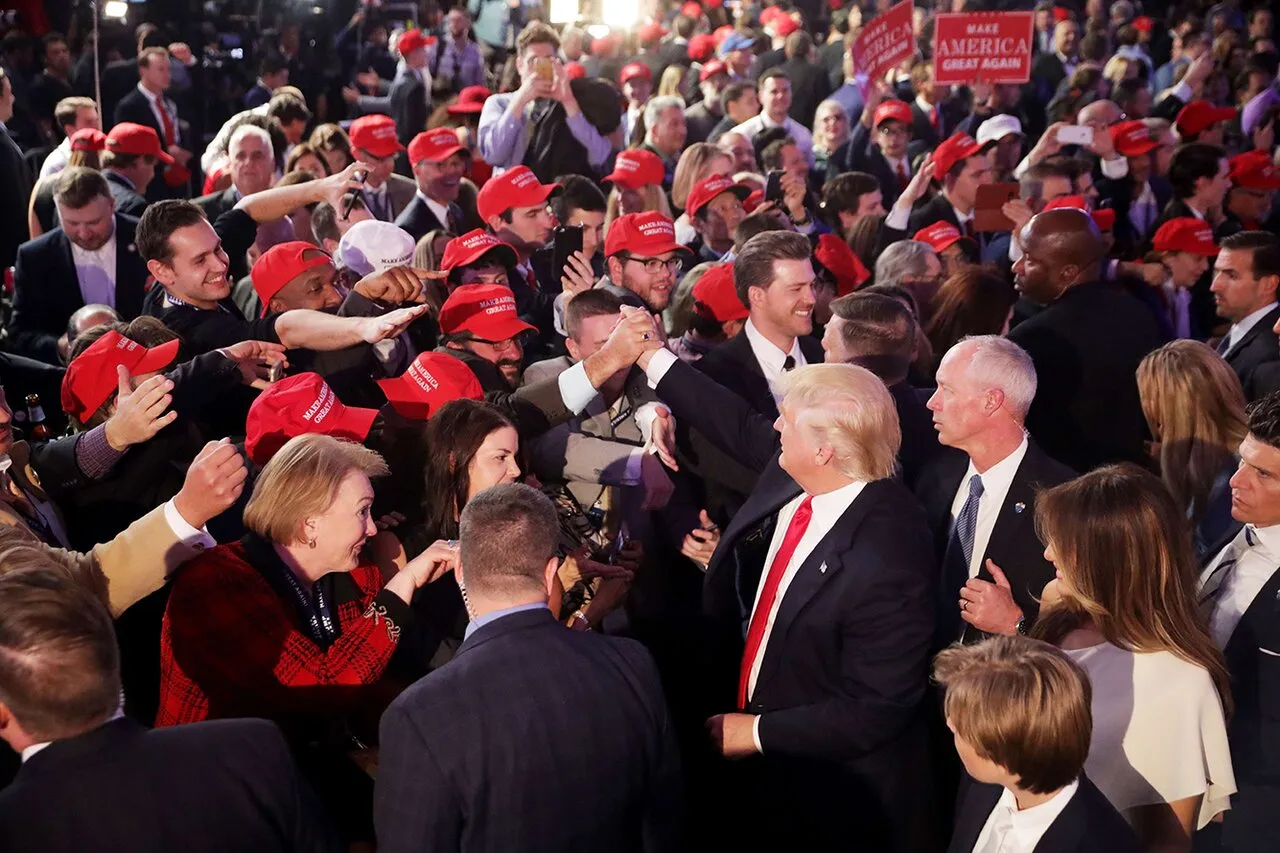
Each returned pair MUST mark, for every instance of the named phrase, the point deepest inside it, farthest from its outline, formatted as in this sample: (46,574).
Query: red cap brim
(157,359)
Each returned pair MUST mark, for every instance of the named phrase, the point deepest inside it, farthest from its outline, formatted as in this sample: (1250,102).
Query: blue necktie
(967,520)
(955,564)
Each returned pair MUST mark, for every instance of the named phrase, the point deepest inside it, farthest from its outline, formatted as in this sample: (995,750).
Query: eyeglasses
(889,130)
(657,266)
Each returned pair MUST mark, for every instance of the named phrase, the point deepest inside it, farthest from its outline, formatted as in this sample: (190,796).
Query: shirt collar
(1268,538)
(1000,475)
(925,105)
(480,621)
(109,245)
(828,508)
(768,354)
(1030,825)
(151,96)
(30,751)
(1239,330)
(441,211)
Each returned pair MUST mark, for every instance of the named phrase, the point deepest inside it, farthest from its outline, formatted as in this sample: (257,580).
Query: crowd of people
(671,438)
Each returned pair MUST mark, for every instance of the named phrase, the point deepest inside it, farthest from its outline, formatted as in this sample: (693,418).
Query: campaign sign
(994,47)
(885,42)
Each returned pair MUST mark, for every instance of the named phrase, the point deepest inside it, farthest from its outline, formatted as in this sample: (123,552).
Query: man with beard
(480,326)
(189,260)
(90,259)
(439,162)
(1086,344)
(643,259)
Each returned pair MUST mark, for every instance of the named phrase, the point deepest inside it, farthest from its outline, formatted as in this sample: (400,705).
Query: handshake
(637,335)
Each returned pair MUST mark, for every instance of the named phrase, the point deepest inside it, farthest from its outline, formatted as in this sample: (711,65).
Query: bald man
(1086,344)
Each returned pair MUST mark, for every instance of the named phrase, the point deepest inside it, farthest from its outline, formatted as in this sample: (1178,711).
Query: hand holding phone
(773,186)
(1075,134)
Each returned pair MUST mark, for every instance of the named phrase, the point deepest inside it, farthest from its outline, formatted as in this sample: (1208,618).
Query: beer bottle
(38,431)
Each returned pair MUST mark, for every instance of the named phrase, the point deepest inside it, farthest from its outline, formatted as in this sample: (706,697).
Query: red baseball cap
(769,14)
(644,234)
(691,10)
(300,405)
(751,202)
(91,377)
(470,100)
(518,187)
(722,33)
(487,311)
(1143,24)
(637,167)
(604,45)
(1105,219)
(1199,116)
(837,256)
(1254,170)
(940,235)
(433,379)
(716,298)
(89,139)
(1185,234)
(435,146)
(1061,13)
(784,25)
(650,32)
(708,188)
(893,110)
(958,147)
(138,140)
(411,40)
(470,247)
(281,264)
(1133,138)
(632,70)
(375,134)
(711,69)
(574,70)
(702,47)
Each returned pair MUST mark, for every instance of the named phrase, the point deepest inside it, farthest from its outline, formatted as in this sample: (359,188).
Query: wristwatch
(1020,627)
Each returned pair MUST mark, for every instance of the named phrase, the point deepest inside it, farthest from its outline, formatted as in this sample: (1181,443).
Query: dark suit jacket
(939,209)
(417,219)
(46,291)
(1013,545)
(1120,196)
(1047,74)
(408,98)
(1253,730)
(1088,824)
(1086,347)
(137,109)
(733,364)
(128,200)
(217,786)
(861,154)
(257,96)
(1259,346)
(485,753)
(919,438)
(216,204)
(15,191)
(845,666)
(809,87)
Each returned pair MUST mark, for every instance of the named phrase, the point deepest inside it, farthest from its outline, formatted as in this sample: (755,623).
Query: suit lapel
(975,808)
(759,395)
(1257,329)
(130,272)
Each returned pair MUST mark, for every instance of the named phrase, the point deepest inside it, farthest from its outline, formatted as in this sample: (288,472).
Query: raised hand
(213,483)
(140,412)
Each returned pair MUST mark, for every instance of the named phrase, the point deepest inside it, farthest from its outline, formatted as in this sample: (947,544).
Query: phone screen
(568,239)
(773,186)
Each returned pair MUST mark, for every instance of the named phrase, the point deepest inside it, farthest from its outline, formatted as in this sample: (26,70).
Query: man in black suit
(252,163)
(148,105)
(129,164)
(410,95)
(91,259)
(880,145)
(1025,760)
(273,73)
(226,785)
(15,183)
(1246,274)
(979,494)
(486,753)
(1086,343)
(809,81)
(819,612)
(879,333)
(934,117)
(1048,70)
(438,161)
(1240,596)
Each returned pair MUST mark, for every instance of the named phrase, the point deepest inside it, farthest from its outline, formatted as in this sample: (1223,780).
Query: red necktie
(936,118)
(769,593)
(533,279)
(903,177)
(167,121)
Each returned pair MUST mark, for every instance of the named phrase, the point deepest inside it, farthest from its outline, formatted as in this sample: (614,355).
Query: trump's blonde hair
(846,408)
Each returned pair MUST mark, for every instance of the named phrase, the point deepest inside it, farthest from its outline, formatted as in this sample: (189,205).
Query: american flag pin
(1019,506)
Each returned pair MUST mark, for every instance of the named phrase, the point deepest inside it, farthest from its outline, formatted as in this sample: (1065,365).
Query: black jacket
(216,204)
(417,219)
(1086,347)
(15,190)
(204,788)
(1088,824)
(1013,546)
(861,154)
(484,753)
(128,200)
(919,438)
(845,665)
(134,107)
(1258,347)
(408,97)
(810,86)
(46,291)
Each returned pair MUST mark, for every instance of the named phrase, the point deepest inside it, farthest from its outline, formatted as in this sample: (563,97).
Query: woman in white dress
(1123,607)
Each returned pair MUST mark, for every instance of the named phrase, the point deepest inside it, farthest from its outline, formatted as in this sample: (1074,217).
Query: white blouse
(1159,733)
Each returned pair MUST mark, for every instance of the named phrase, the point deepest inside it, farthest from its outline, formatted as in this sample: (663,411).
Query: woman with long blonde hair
(1195,410)
(1123,607)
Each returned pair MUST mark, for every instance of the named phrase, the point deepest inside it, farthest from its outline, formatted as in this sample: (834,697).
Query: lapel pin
(1019,506)
(822,570)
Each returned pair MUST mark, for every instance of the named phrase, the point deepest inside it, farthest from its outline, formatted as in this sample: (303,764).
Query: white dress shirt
(1009,830)
(1239,330)
(827,510)
(57,159)
(159,103)
(96,272)
(760,123)
(771,359)
(996,481)
(438,210)
(1254,567)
